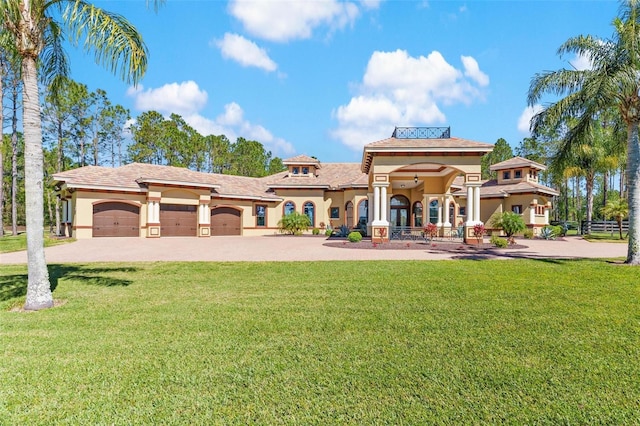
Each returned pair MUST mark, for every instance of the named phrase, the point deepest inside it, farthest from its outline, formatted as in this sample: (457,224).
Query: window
(296,170)
(517,174)
(308,210)
(289,207)
(433,211)
(517,208)
(363,213)
(417,214)
(305,170)
(261,215)
(506,175)
(452,212)
(462,211)
(334,213)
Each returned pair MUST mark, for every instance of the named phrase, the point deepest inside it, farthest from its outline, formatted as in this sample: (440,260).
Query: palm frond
(116,44)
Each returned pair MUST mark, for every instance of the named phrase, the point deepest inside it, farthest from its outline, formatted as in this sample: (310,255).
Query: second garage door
(225,221)
(178,220)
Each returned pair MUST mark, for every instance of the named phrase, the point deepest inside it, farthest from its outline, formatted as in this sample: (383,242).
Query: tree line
(82,127)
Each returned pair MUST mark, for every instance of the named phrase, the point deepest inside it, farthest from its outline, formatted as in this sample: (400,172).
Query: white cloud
(171,98)
(290,20)
(524,122)
(401,90)
(581,63)
(245,52)
(472,70)
(180,98)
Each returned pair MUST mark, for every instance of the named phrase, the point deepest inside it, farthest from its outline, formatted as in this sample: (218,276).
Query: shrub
(558,231)
(328,232)
(547,233)
(431,230)
(478,230)
(511,223)
(315,231)
(294,223)
(498,242)
(344,230)
(355,237)
(528,234)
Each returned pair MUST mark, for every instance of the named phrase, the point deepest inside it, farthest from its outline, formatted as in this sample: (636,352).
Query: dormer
(302,166)
(516,170)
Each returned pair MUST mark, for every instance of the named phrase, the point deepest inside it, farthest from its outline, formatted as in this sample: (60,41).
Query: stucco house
(418,175)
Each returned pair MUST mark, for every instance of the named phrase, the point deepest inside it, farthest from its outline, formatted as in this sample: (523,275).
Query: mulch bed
(448,246)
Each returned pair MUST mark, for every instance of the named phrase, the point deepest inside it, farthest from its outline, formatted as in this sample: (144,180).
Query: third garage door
(225,221)
(178,220)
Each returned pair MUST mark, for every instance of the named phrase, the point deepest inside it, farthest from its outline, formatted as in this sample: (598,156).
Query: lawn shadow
(13,286)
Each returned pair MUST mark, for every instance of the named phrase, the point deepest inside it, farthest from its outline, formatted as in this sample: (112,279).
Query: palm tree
(618,209)
(37,38)
(612,81)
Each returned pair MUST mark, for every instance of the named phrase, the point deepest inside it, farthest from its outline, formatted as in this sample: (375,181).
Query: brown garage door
(178,221)
(115,219)
(225,221)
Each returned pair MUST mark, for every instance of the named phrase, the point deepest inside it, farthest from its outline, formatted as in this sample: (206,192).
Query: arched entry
(225,221)
(349,214)
(399,211)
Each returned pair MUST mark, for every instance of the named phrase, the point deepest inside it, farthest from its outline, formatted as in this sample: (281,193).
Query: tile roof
(330,176)
(490,188)
(517,162)
(133,177)
(301,159)
(421,145)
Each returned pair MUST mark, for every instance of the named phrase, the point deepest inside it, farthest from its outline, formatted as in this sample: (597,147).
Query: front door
(399,211)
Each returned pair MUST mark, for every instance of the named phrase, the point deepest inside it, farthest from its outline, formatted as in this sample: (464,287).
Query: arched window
(452,213)
(363,213)
(308,209)
(433,211)
(417,214)
(348,208)
(289,207)
(399,210)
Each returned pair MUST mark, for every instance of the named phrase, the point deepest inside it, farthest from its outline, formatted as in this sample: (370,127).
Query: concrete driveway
(304,248)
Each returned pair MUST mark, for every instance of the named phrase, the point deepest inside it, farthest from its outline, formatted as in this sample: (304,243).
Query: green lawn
(446,342)
(9,243)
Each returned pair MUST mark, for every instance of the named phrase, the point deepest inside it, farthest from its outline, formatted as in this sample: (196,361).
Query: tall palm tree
(613,80)
(38,38)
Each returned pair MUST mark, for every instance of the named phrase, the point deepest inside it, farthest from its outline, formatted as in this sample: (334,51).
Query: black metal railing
(422,133)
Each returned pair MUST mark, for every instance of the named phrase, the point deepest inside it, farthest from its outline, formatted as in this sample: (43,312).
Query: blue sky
(326,77)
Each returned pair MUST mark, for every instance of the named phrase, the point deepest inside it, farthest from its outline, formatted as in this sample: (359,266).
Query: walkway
(287,248)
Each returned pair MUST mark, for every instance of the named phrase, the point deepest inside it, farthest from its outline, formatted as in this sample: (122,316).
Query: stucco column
(376,204)
(470,209)
(383,204)
(546,214)
(439,223)
(532,212)
(64,211)
(476,204)
(447,200)
(69,213)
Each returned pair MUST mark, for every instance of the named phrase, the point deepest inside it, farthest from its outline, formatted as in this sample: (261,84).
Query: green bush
(355,237)
(528,234)
(498,242)
(328,232)
(315,231)
(558,231)
(511,223)
(294,223)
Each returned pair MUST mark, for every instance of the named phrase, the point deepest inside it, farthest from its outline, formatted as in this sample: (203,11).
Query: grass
(606,237)
(438,342)
(10,243)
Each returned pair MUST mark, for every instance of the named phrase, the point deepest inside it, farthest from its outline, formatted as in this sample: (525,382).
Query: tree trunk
(59,166)
(1,150)
(605,187)
(14,164)
(38,289)
(589,183)
(633,189)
